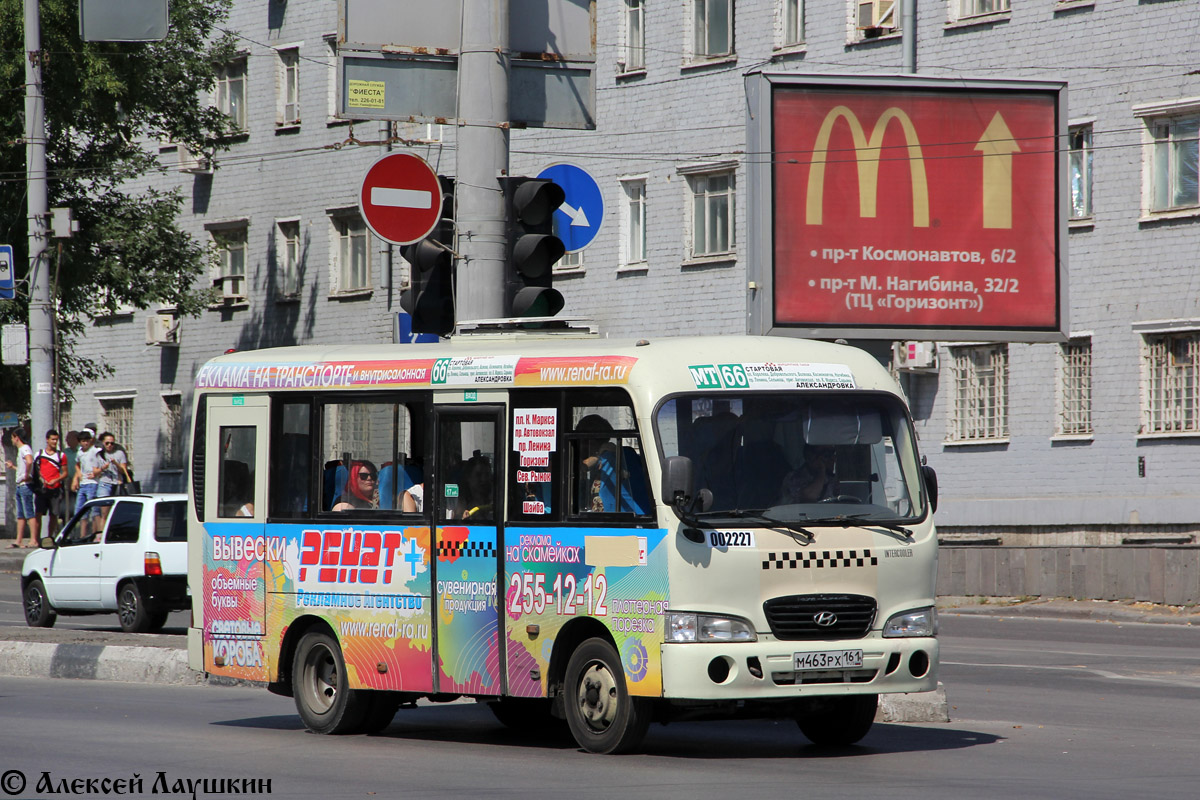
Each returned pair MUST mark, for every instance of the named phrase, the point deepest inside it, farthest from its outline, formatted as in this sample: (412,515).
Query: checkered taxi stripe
(466,549)
(821,559)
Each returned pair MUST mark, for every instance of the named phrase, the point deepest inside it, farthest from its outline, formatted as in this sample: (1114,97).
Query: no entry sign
(400,198)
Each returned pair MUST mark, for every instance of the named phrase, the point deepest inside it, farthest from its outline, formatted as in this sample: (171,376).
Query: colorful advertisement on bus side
(375,587)
(616,575)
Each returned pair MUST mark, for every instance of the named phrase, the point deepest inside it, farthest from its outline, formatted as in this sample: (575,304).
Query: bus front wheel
(321,687)
(602,715)
(838,721)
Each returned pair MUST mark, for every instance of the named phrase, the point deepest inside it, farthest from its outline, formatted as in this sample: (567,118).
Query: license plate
(828,659)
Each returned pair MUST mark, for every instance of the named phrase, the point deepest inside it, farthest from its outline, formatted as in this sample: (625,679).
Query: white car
(122,555)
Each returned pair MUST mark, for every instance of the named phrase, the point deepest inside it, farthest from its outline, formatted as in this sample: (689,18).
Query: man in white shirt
(26,508)
(87,470)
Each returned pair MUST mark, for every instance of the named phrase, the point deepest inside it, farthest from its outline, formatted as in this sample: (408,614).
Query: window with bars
(1075,412)
(230,275)
(288,76)
(171,448)
(712,214)
(1175,170)
(635,37)
(352,269)
(980,393)
(1171,397)
(117,419)
(1080,159)
(231,92)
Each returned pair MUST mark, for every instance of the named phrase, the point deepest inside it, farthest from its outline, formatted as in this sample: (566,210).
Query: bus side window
(235,490)
(291,460)
(535,467)
(609,473)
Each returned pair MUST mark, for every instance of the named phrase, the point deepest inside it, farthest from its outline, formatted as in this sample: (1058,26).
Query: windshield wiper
(847,520)
(761,519)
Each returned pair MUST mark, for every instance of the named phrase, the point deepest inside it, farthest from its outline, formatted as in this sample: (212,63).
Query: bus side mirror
(931,486)
(678,484)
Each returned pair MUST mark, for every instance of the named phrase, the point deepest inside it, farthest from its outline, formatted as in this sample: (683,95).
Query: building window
(117,419)
(288,76)
(230,276)
(974,8)
(571,262)
(1080,157)
(231,92)
(793,22)
(287,258)
(1175,163)
(1075,413)
(1172,400)
(712,26)
(633,228)
(171,449)
(352,269)
(331,88)
(712,214)
(635,37)
(875,17)
(980,393)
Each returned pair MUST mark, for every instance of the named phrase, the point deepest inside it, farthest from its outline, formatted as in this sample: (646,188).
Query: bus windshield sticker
(772,375)
(535,437)
(451,490)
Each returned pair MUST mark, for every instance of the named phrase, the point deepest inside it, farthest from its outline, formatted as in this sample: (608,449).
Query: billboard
(897,207)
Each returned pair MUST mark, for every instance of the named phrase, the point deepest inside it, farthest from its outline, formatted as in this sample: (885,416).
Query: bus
(564,527)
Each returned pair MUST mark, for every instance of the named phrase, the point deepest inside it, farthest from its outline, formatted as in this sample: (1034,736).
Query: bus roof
(659,366)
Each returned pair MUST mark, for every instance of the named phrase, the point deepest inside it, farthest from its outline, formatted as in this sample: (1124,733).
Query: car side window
(86,525)
(169,522)
(125,523)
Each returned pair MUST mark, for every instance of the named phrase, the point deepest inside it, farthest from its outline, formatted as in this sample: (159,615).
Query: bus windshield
(798,457)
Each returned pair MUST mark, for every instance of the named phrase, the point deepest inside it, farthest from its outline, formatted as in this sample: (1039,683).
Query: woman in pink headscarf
(362,488)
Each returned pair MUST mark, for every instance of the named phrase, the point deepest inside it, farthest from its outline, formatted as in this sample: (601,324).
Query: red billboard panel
(916,209)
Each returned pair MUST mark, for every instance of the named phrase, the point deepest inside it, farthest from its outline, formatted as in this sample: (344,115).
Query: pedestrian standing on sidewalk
(113,471)
(26,510)
(87,470)
(50,464)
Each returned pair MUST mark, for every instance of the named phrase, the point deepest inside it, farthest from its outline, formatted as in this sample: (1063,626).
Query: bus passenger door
(235,507)
(466,497)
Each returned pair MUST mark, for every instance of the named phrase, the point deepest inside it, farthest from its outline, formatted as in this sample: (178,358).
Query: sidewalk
(1064,608)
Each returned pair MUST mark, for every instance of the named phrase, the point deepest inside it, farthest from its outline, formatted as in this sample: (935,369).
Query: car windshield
(829,458)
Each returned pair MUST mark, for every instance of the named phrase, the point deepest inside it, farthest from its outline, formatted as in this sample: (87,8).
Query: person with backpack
(49,476)
(23,466)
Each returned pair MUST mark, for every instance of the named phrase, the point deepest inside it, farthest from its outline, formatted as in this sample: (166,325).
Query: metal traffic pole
(41,342)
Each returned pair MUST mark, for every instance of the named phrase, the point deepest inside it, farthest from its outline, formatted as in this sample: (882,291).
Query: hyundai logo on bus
(825,619)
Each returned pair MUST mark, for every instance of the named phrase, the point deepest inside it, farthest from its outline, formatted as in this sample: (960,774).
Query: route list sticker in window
(535,433)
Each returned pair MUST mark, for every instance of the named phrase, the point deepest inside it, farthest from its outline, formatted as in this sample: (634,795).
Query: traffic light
(430,296)
(533,249)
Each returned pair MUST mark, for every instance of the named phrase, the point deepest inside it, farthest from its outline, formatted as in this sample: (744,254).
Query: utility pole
(482,157)
(41,342)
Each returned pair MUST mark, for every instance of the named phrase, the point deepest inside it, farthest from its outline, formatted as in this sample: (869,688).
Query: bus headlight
(917,622)
(683,626)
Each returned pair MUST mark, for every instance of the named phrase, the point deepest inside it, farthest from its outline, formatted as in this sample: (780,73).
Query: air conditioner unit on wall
(162,329)
(915,356)
(188,162)
(876,15)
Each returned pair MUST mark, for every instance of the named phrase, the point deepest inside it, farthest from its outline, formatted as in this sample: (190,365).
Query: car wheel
(131,609)
(838,721)
(157,620)
(602,715)
(324,699)
(38,611)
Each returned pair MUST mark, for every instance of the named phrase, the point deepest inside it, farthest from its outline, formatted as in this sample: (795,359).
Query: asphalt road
(12,612)
(1040,708)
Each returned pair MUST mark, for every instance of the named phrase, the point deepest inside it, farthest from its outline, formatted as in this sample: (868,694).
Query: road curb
(168,666)
(157,665)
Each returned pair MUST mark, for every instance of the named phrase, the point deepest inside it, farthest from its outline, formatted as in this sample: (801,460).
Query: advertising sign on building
(909,208)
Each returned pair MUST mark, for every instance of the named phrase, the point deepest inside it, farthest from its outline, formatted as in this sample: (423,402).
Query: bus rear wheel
(324,699)
(838,721)
(601,714)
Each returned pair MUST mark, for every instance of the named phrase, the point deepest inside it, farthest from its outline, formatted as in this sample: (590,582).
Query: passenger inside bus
(362,488)
(815,480)
(602,461)
(475,491)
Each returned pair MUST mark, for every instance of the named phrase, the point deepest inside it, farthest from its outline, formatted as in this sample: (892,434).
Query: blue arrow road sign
(8,278)
(578,219)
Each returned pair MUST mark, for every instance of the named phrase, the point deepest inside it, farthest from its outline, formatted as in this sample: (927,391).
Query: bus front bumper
(767,669)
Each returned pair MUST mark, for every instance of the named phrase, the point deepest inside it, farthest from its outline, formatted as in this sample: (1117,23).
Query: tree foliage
(108,106)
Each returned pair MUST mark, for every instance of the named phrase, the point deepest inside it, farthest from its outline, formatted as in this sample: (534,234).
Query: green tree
(108,105)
